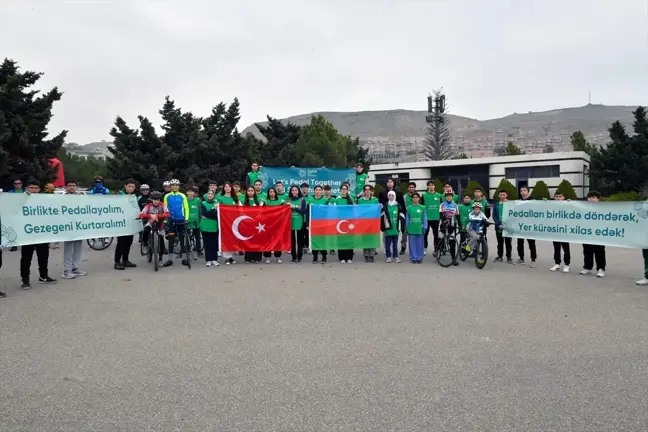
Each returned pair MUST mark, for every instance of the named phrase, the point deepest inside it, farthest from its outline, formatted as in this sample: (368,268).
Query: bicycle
(153,246)
(480,251)
(100,244)
(172,231)
(445,245)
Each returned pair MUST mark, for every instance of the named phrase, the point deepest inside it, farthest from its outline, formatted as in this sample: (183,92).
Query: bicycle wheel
(149,249)
(193,249)
(444,258)
(481,254)
(155,246)
(463,253)
(99,243)
(187,243)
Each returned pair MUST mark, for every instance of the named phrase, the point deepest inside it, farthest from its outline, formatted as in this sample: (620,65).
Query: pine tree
(540,191)
(279,147)
(129,157)
(567,190)
(24,116)
(512,149)
(438,139)
(508,187)
(579,143)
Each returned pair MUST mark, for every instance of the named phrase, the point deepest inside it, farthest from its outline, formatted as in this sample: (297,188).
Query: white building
(524,170)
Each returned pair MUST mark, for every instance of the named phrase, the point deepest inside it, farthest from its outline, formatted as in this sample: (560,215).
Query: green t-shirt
(408,200)
(297,221)
(276,202)
(483,202)
(311,200)
(208,225)
(464,211)
(342,201)
(361,180)
(194,213)
(331,200)
(225,200)
(500,209)
(262,196)
(392,214)
(283,196)
(415,214)
(432,202)
(252,176)
(363,200)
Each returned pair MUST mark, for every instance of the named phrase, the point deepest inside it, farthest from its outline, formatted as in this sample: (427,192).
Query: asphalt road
(382,347)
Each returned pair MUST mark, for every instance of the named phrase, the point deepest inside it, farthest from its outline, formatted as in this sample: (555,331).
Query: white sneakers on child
(557,267)
(211,264)
(643,281)
(600,273)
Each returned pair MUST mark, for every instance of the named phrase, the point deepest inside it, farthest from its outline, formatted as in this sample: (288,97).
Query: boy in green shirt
(464,210)
(193,223)
(432,202)
(411,190)
(253,175)
(368,198)
(257,189)
(498,214)
(213,186)
(281,191)
(416,226)
(361,180)
(479,197)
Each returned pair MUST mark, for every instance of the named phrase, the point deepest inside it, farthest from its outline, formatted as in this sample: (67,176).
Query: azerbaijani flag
(344,227)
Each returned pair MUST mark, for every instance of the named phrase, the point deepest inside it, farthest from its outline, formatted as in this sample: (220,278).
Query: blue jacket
(177,205)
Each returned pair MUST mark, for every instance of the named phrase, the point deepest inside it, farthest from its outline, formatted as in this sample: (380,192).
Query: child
(251,199)
(643,281)
(475,221)
(297,224)
(314,200)
(561,245)
(274,199)
(416,226)
(498,212)
(209,228)
(155,212)
(305,189)
(330,200)
(391,223)
(479,197)
(193,223)
(407,199)
(593,253)
(228,196)
(368,198)
(449,215)
(345,255)
(464,210)
(432,201)
(526,196)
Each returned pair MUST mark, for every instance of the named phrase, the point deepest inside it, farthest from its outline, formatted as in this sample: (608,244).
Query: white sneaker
(600,273)
(566,269)
(215,264)
(208,264)
(424,252)
(643,281)
(397,260)
(220,254)
(77,272)
(68,275)
(279,261)
(227,262)
(388,260)
(555,267)
(267,261)
(342,262)
(585,272)
(349,261)
(532,264)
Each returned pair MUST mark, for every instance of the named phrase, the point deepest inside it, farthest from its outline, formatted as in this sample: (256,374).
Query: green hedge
(625,196)
(471,186)
(540,191)
(567,190)
(508,187)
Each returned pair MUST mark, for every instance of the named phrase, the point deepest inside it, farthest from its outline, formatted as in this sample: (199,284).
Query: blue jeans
(391,246)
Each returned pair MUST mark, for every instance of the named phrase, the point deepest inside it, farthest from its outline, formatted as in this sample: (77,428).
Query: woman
(272,199)
(251,199)
(228,197)
(297,224)
(209,228)
(368,198)
(345,255)
(416,226)
(392,221)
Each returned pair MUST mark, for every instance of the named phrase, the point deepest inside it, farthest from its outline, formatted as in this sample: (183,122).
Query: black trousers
(434,225)
(252,256)
(532,249)
(593,253)
(297,244)
(501,242)
(180,230)
(26,256)
(211,245)
(567,254)
(323,252)
(345,254)
(197,238)
(269,254)
(122,250)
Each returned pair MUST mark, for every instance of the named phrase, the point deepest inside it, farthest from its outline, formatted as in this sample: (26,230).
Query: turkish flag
(254,229)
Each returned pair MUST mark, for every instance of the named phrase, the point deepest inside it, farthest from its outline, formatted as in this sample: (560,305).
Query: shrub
(625,196)
(567,190)
(540,191)
(508,187)
(378,190)
(471,186)
(403,188)
(438,185)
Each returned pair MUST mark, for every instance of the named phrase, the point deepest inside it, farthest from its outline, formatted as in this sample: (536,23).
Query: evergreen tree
(512,149)
(129,157)
(567,190)
(438,185)
(438,140)
(579,143)
(472,185)
(24,116)
(540,191)
(82,170)
(508,187)
(548,149)
(281,139)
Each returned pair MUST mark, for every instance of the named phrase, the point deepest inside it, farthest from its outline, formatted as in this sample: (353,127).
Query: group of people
(405,218)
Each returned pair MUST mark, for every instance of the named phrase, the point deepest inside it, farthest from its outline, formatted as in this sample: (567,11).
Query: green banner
(620,224)
(44,218)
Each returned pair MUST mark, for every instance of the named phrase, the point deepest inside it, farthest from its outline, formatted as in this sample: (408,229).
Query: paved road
(381,347)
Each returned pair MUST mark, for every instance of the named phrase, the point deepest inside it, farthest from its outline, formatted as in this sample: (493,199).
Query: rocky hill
(399,134)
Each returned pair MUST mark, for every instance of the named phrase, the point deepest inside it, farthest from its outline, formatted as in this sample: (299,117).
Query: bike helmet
(166,183)
(145,187)
(156,195)
(478,205)
(175,182)
(98,179)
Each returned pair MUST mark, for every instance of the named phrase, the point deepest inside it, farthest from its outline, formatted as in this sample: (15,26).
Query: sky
(290,57)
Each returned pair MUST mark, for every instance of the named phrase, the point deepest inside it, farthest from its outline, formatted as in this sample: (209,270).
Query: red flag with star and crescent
(254,229)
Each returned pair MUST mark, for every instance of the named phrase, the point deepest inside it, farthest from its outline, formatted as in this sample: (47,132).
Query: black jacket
(385,223)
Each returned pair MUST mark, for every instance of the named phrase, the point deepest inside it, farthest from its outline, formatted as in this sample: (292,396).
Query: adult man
(72,249)
(27,252)
(432,202)
(178,208)
(143,199)
(122,249)
(253,175)
(259,192)
(361,180)
(17,188)
(99,188)
(213,186)
(281,192)
(526,196)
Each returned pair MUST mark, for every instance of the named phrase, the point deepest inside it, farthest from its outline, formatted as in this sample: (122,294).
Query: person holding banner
(525,196)
(561,245)
(251,199)
(27,252)
(498,212)
(368,198)
(273,199)
(72,250)
(592,252)
(318,199)
(345,255)
(124,243)
(298,205)
(228,197)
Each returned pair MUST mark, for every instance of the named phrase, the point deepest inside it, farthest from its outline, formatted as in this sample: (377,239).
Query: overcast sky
(288,57)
